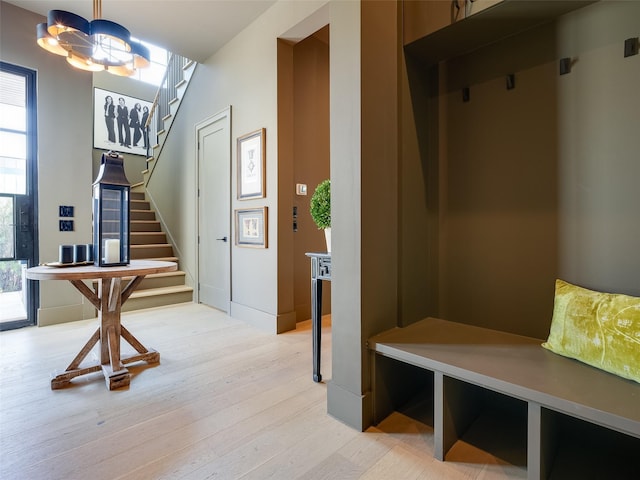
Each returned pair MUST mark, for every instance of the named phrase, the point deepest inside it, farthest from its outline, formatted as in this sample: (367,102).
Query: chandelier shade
(97,45)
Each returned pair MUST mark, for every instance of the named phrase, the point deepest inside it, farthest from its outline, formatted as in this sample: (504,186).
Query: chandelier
(97,45)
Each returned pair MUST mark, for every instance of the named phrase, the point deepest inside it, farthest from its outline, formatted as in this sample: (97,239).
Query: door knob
(224,239)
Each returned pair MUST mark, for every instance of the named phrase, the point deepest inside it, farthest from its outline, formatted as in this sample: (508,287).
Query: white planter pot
(327,237)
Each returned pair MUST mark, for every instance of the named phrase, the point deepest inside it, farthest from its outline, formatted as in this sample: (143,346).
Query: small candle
(79,253)
(112,251)
(65,254)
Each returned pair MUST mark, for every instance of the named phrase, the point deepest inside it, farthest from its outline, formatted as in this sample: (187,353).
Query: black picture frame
(110,129)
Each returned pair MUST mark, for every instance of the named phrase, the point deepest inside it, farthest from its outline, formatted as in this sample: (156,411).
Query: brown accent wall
(518,187)
(498,187)
(307,100)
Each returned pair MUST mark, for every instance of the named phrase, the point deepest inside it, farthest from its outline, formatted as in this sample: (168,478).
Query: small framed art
(251,227)
(251,165)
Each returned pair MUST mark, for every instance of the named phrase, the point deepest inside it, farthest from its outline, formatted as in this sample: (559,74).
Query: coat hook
(511,81)
(631,47)
(466,94)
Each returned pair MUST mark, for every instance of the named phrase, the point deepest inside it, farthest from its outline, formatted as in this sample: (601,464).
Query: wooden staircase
(149,242)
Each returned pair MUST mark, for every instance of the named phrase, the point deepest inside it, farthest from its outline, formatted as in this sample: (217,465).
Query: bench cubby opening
(584,450)
(487,420)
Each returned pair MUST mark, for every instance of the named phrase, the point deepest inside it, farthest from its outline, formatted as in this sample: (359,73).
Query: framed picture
(118,122)
(251,165)
(251,227)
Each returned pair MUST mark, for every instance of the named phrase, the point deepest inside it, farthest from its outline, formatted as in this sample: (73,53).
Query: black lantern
(111,213)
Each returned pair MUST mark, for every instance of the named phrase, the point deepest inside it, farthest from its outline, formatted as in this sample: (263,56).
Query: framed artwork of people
(119,123)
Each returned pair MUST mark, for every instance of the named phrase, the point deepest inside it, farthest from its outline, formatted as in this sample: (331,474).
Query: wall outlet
(65,211)
(66,225)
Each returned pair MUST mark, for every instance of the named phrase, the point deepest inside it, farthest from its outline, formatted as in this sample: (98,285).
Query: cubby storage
(584,450)
(506,395)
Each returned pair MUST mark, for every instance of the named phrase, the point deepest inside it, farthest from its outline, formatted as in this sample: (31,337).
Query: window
(18,195)
(13,133)
(155,72)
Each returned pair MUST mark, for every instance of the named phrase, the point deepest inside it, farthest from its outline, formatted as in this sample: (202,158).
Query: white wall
(242,74)
(65,139)
(67,162)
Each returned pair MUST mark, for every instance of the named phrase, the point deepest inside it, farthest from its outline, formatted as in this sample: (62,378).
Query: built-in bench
(467,364)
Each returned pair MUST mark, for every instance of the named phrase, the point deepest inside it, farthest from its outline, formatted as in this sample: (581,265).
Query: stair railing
(166,95)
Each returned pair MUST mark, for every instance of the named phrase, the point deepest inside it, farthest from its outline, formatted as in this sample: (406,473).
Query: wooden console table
(108,300)
(320,270)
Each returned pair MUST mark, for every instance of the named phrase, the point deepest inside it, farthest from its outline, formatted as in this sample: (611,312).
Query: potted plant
(320,209)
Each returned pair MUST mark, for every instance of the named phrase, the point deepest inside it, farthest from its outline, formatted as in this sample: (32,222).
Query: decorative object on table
(111,199)
(65,254)
(98,45)
(73,255)
(119,122)
(320,208)
(80,253)
(251,227)
(251,165)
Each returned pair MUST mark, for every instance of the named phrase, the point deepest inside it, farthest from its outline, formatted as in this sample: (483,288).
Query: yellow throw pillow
(600,329)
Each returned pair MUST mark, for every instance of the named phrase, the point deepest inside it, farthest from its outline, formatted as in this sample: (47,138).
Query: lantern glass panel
(112,230)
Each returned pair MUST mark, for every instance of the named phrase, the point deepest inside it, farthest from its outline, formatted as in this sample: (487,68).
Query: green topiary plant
(321,205)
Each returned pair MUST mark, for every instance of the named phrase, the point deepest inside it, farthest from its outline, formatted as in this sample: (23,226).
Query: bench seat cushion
(599,329)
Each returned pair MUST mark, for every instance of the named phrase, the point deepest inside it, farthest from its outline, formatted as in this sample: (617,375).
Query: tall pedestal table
(108,300)
(320,270)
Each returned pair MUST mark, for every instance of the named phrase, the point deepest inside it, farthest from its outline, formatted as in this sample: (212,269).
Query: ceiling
(193,28)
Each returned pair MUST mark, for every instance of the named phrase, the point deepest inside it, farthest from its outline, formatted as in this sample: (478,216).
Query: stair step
(148,241)
(145,226)
(139,252)
(142,215)
(156,297)
(164,259)
(140,204)
(147,238)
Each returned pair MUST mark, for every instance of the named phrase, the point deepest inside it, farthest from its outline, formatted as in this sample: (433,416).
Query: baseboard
(264,321)
(350,408)
(67,313)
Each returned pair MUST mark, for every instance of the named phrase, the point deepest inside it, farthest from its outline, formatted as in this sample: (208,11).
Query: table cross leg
(145,354)
(62,379)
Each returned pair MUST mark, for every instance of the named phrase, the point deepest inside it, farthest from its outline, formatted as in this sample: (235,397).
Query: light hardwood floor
(227,401)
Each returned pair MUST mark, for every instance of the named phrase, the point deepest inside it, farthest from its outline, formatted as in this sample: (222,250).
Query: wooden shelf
(487,26)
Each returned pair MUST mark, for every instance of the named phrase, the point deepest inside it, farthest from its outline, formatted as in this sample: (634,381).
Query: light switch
(301,189)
